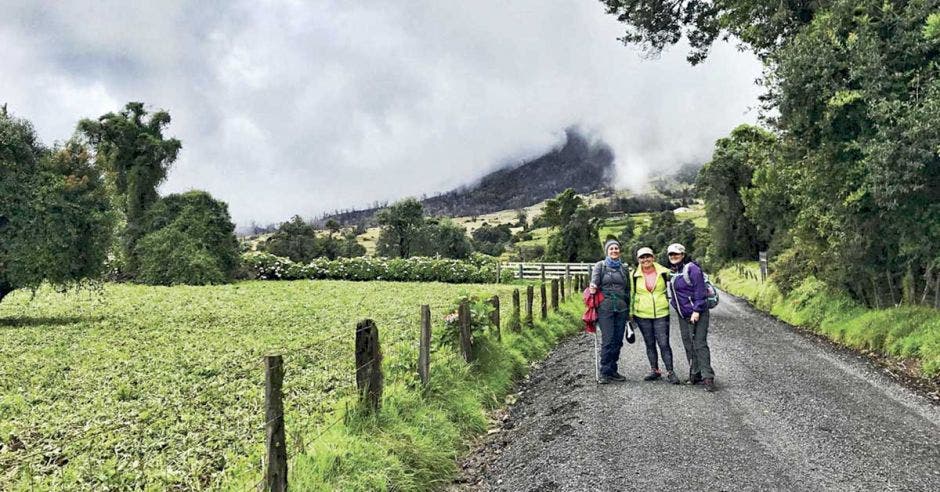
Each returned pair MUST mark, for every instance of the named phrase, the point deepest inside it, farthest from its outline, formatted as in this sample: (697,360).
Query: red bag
(592,301)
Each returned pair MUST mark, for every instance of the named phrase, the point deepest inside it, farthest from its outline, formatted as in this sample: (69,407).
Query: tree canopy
(136,156)
(55,217)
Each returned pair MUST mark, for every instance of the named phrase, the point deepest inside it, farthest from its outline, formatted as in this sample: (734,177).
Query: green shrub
(188,239)
(170,257)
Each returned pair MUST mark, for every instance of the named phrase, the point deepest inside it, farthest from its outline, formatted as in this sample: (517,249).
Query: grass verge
(910,332)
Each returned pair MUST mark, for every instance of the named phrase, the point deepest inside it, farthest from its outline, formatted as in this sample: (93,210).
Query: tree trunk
(5,289)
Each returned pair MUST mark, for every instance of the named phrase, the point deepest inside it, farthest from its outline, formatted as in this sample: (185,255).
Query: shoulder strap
(685,274)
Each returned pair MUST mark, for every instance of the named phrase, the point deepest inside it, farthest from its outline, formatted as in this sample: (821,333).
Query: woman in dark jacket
(688,299)
(610,276)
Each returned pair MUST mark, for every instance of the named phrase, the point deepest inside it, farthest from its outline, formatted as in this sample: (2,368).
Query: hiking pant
(695,341)
(613,325)
(656,332)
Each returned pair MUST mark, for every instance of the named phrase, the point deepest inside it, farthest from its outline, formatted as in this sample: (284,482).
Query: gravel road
(790,414)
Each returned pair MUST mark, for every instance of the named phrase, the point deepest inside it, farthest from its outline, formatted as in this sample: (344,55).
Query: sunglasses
(675,254)
(645,257)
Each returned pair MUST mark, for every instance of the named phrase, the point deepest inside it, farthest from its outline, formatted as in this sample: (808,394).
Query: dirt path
(790,413)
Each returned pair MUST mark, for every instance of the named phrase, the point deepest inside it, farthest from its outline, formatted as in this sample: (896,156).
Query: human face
(613,251)
(676,258)
(646,262)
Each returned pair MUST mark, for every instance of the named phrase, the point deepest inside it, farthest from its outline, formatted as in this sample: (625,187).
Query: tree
(401,224)
(294,239)
(349,247)
(492,240)
(55,217)
(559,210)
(332,226)
(188,238)
(135,155)
(724,180)
(664,229)
(763,26)
(577,240)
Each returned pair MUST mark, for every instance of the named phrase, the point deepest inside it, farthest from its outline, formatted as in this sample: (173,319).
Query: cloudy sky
(299,107)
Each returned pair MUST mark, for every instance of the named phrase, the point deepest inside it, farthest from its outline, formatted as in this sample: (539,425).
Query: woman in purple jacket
(688,299)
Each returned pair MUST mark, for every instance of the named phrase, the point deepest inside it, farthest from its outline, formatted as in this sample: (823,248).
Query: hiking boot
(709,385)
(603,380)
(672,378)
(652,376)
(695,379)
(617,377)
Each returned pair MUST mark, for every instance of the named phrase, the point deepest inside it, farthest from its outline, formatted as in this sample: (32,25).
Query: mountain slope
(579,164)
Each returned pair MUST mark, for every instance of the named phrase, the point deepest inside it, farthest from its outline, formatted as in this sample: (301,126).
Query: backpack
(711,293)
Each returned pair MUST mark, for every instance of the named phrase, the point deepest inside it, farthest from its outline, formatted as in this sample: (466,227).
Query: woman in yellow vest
(649,308)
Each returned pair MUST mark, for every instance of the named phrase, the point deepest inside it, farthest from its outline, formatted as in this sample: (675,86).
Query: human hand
(592,289)
(695,317)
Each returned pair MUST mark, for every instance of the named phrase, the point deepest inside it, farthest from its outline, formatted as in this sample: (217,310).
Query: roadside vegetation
(909,332)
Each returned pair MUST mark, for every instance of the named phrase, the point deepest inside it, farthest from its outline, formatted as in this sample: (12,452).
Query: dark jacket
(688,297)
(615,285)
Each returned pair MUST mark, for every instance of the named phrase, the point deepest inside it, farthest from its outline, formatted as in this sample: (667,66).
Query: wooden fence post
(424,348)
(762,260)
(544,300)
(529,299)
(554,294)
(516,320)
(369,378)
(567,270)
(494,317)
(466,343)
(543,272)
(275,477)
(498,270)
(561,288)
(521,272)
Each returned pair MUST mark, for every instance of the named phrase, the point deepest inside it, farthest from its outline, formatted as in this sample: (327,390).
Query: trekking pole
(597,362)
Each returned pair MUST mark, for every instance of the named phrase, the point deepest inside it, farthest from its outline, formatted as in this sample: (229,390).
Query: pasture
(131,386)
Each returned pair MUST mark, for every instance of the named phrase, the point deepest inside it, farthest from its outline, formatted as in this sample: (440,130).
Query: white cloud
(299,107)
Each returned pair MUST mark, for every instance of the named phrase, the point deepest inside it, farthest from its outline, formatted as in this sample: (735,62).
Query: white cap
(676,248)
(644,251)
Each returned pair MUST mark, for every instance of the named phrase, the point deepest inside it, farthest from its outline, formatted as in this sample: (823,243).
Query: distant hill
(579,164)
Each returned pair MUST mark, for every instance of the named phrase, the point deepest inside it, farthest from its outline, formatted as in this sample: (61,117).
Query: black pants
(695,340)
(656,332)
(612,325)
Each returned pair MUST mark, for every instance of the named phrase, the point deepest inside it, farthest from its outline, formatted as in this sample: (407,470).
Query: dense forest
(842,179)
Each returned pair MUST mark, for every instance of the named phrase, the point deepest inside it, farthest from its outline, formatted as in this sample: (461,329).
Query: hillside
(579,164)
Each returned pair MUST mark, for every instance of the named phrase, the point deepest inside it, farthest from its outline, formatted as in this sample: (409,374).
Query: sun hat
(676,248)
(609,243)
(644,251)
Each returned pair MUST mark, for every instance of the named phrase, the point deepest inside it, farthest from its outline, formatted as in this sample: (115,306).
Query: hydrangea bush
(478,269)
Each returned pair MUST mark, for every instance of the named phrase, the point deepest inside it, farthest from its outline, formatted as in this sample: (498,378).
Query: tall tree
(132,150)
(55,217)
(401,226)
(724,180)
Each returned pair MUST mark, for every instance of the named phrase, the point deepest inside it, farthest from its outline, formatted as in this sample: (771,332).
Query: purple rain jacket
(688,298)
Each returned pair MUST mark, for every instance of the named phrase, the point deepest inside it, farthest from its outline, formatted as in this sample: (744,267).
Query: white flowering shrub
(265,266)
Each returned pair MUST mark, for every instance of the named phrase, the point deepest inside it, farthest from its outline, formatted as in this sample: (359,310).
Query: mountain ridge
(580,164)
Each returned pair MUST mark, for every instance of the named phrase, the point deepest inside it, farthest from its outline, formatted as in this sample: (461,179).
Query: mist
(290,107)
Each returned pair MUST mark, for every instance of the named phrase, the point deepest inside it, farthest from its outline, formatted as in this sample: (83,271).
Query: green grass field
(161,388)
(908,331)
